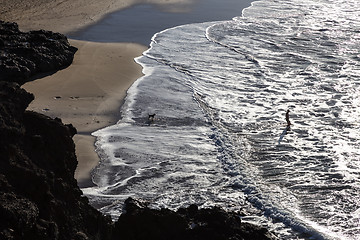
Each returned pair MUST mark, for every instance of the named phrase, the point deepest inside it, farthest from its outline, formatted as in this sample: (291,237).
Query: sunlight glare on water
(220,92)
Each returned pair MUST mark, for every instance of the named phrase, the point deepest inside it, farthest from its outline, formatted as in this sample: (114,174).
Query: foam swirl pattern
(220,92)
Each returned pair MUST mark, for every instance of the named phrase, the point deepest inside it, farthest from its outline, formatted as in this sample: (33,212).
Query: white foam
(220,110)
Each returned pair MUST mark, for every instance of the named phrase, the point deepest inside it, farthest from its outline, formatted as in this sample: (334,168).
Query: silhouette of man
(288,119)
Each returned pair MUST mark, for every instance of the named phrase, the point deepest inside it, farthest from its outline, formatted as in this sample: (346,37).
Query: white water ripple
(220,92)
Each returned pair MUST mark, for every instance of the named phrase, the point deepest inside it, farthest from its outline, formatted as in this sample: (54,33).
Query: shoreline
(68,17)
(68,100)
(40,197)
(88,94)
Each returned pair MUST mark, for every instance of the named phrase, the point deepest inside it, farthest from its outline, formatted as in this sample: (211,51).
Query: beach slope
(88,94)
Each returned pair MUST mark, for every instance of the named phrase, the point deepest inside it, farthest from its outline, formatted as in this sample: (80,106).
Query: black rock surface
(23,55)
(140,222)
(39,197)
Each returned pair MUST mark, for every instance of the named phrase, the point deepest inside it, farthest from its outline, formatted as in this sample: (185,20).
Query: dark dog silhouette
(152,117)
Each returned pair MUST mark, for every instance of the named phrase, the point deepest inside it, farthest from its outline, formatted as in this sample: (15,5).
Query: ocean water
(220,91)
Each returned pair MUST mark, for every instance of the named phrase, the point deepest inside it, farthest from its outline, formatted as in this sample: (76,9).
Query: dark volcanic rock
(24,54)
(141,222)
(39,197)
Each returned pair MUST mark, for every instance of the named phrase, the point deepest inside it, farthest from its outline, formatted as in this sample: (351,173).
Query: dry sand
(65,16)
(88,94)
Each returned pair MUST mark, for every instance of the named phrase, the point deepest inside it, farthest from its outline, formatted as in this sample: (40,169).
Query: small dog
(152,117)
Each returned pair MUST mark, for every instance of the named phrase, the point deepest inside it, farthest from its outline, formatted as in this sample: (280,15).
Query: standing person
(288,119)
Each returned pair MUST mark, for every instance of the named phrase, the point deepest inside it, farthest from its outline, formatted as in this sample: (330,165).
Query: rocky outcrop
(39,197)
(140,222)
(23,55)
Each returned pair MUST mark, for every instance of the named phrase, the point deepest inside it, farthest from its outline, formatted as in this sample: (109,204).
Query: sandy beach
(89,93)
